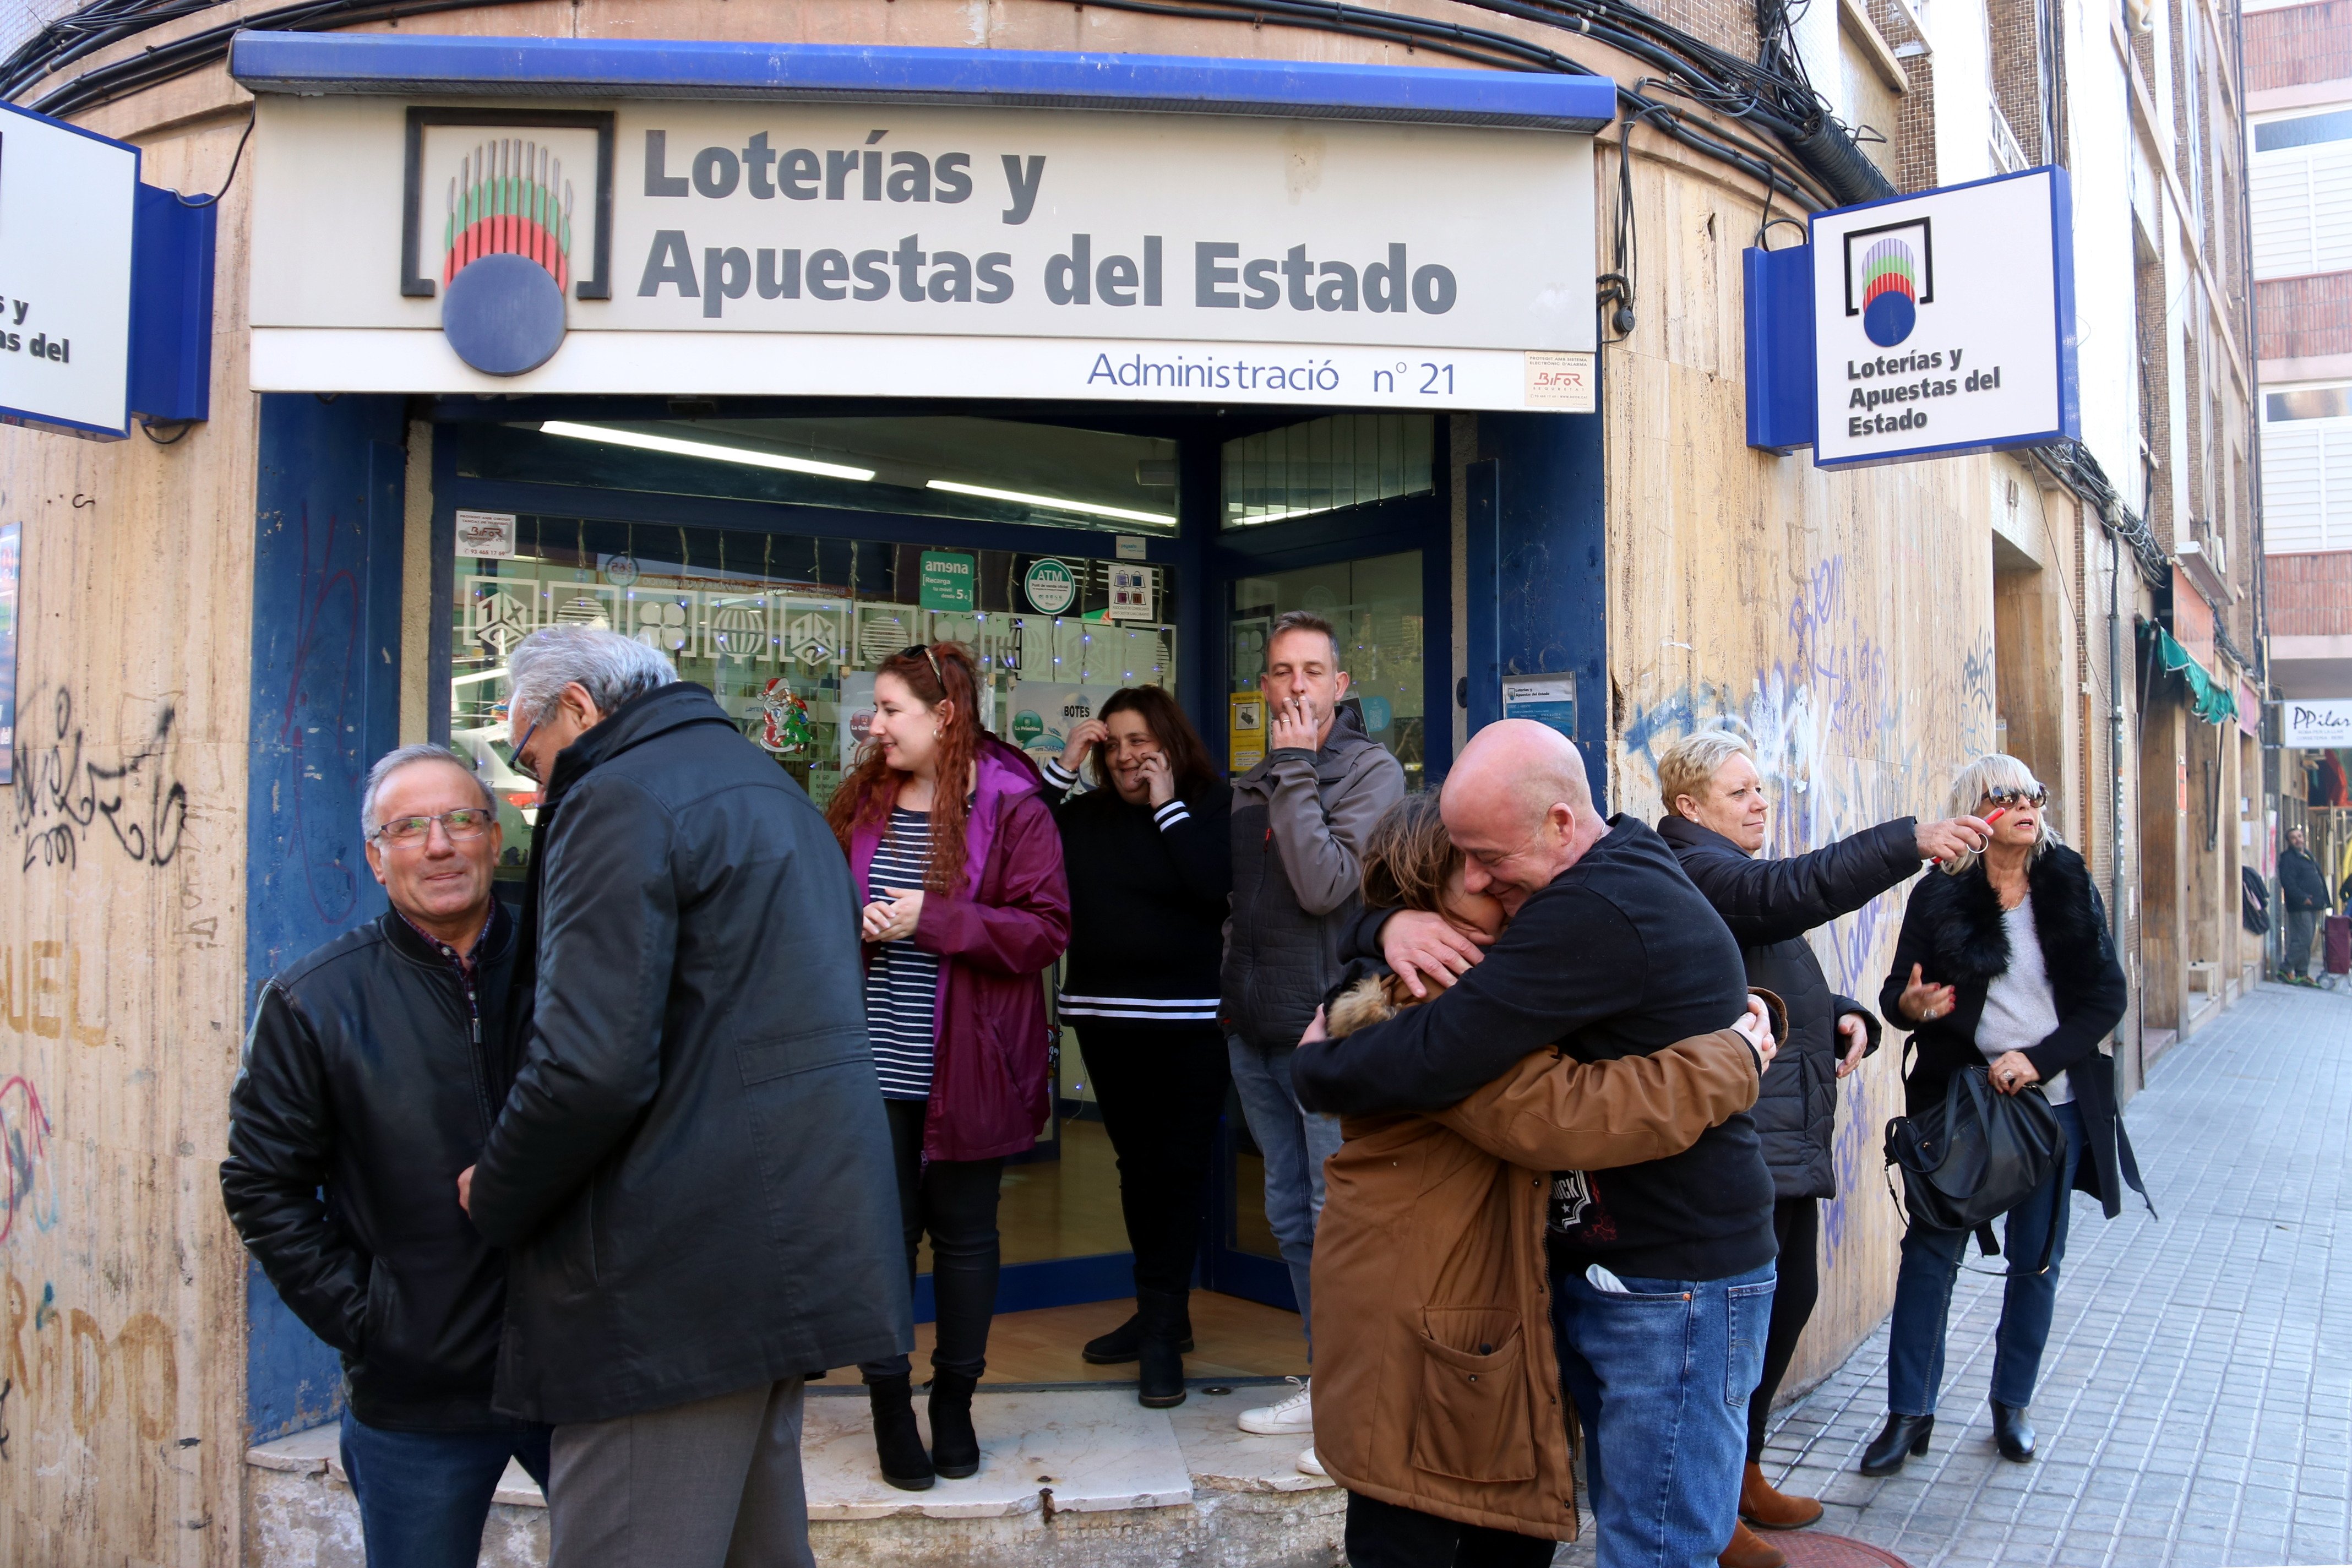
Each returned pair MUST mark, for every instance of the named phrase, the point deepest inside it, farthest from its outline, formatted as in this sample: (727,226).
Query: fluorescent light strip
(676,447)
(1055,502)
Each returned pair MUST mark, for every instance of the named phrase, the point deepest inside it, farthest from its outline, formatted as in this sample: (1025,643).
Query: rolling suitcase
(2339,944)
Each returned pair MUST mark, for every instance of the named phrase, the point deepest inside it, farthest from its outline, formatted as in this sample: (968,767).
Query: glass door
(1342,517)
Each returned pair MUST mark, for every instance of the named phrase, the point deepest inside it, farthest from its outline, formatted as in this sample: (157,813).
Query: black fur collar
(1973,945)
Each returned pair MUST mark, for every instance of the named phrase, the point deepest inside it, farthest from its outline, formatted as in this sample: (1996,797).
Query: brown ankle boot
(1746,1550)
(1760,1505)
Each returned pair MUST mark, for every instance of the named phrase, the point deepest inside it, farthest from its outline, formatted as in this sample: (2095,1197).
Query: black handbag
(1977,1156)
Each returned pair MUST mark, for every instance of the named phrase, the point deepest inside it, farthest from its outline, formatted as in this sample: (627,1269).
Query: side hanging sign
(1923,326)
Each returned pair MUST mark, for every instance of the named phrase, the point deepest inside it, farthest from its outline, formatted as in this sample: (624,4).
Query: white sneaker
(1296,1414)
(1308,1465)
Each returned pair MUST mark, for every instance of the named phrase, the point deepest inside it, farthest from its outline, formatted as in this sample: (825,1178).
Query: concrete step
(1067,1477)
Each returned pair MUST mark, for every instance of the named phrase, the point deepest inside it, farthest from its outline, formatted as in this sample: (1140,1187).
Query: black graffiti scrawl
(70,794)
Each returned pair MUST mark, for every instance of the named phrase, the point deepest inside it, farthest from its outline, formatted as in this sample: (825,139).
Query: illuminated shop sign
(912,248)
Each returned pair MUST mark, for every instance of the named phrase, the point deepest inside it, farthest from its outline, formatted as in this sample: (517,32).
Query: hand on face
(1083,740)
(1133,757)
(1303,685)
(1428,950)
(1296,726)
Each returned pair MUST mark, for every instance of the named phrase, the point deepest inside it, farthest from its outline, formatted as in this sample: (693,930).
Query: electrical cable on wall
(1818,164)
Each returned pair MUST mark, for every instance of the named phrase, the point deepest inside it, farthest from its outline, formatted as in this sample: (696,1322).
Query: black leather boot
(955,1447)
(897,1441)
(1125,1342)
(1904,1436)
(2011,1432)
(1161,1383)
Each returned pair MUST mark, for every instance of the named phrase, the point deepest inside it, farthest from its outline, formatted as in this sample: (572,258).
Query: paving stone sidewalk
(2196,1403)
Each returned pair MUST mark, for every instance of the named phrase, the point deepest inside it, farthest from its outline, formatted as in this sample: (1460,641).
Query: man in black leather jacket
(1716,813)
(692,1170)
(373,1072)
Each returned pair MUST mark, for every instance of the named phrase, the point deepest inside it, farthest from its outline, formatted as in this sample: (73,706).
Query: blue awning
(411,66)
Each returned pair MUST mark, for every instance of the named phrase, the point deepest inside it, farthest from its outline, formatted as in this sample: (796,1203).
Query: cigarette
(1995,814)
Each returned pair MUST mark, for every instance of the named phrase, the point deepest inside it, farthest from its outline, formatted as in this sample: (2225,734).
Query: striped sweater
(1148,903)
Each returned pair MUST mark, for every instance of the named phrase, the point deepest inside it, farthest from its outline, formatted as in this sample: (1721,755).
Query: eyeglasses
(2002,794)
(520,764)
(925,649)
(467,822)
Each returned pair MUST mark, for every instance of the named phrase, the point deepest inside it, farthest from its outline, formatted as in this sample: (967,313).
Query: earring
(938,733)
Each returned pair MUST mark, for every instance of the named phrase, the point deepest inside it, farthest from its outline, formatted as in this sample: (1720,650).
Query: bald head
(1519,806)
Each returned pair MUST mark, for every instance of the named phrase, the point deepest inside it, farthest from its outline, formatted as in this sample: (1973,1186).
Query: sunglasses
(911,649)
(2002,794)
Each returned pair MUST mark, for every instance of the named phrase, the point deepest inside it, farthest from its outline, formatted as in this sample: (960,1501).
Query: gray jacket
(1300,823)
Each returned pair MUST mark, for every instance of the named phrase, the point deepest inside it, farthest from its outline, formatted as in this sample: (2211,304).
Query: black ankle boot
(1161,1381)
(1125,1342)
(2011,1432)
(897,1441)
(1904,1436)
(955,1447)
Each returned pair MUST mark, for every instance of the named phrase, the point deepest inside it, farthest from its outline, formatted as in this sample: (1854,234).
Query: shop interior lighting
(708,449)
(1054,502)
(478,675)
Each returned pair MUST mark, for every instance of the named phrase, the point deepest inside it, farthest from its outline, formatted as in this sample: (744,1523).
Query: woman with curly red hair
(959,868)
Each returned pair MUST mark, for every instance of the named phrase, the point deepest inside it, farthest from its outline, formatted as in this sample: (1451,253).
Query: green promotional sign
(948,581)
(1052,587)
(1026,727)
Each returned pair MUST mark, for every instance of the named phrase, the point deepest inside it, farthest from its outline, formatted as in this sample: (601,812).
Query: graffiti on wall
(41,993)
(31,1185)
(71,792)
(66,1373)
(1843,744)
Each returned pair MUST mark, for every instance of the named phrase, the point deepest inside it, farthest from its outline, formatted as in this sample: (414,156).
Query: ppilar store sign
(1923,326)
(907,250)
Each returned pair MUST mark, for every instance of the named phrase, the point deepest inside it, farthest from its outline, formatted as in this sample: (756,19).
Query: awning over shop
(2212,699)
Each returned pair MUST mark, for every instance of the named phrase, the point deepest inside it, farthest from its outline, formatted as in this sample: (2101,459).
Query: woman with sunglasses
(958,865)
(2004,959)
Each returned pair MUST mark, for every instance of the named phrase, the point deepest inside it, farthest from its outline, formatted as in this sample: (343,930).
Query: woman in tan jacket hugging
(1437,1390)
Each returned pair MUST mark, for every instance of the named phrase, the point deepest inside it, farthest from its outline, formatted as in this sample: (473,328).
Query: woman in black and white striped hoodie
(1150,871)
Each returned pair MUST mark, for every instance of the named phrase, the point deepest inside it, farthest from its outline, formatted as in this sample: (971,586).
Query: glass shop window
(788,629)
(1345,459)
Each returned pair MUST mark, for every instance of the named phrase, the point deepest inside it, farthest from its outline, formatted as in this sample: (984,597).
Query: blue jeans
(423,1496)
(1661,1379)
(1923,1293)
(1295,1141)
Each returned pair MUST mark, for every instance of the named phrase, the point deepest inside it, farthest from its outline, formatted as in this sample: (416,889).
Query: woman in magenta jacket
(958,865)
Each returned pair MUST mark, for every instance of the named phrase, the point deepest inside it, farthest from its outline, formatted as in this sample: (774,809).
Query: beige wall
(122,965)
(1846,618)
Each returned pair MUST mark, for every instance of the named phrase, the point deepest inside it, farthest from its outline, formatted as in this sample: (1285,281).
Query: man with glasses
(1662,1272)
(371,1075)
(692,1167)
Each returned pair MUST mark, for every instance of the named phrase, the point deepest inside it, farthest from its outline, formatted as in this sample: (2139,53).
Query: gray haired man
(370,1078)
(692,1170)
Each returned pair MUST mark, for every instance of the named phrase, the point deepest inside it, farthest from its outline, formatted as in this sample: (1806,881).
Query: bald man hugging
(1662,1273)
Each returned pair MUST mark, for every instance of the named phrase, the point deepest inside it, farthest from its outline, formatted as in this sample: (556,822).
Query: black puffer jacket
(2300,884)
(362,1076)
(1953,931)
(1769,905)
(692,1170)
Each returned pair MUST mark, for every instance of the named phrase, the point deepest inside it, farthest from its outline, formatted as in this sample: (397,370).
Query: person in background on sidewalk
(2004,957)
(1661,1271)
(691,1172)
(1439,1381)
(370,1078)
(1150,857)
(1301,818)
(959,868)
(1716,822)
(2303,893)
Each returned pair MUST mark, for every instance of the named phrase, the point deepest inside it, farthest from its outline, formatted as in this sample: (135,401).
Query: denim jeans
(1295,1141)
(423,1496)
(1661,1377)
(1923,1293)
